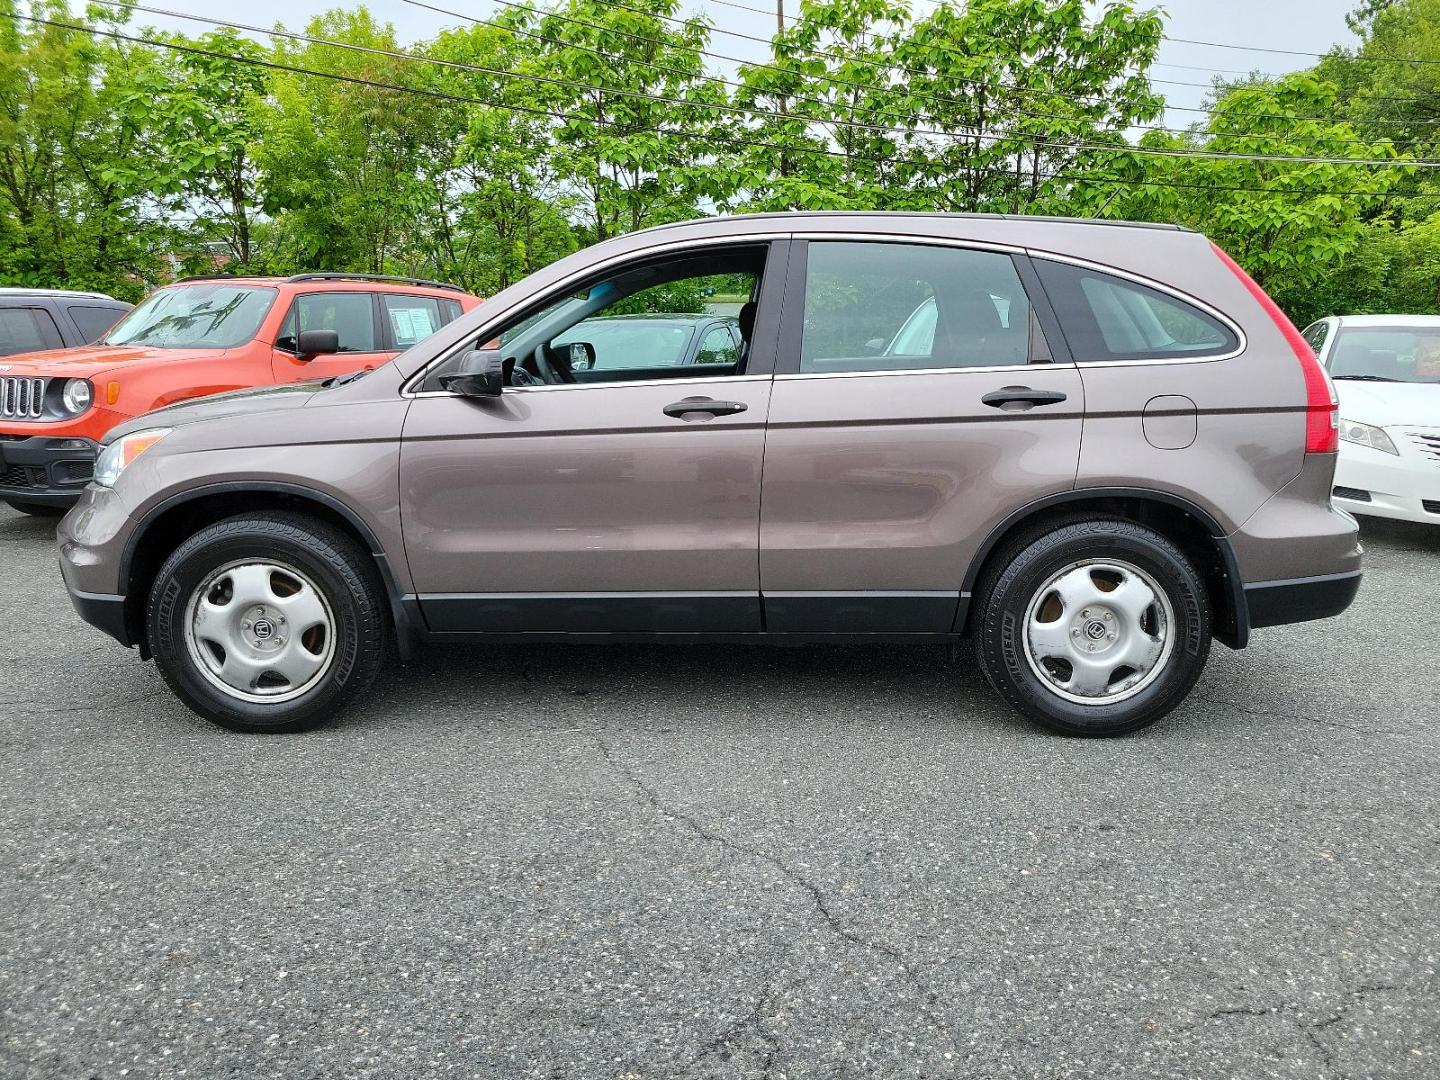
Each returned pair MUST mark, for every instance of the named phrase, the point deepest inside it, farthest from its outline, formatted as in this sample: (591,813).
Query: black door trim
(591,613)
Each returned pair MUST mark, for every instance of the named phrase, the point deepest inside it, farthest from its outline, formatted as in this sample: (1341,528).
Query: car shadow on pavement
(1406,535)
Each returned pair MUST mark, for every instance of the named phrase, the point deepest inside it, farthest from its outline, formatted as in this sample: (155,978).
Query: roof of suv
(328,278)
(799,217)
(72,293)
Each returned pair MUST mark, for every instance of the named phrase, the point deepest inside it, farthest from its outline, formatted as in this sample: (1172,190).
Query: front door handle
(690,405)
(1021,395)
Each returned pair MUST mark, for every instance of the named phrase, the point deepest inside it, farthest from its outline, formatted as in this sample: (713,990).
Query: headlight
(1366,435)
(77,395)
(123,451)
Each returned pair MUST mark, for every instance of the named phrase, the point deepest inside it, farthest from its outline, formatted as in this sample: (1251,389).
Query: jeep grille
(22,398)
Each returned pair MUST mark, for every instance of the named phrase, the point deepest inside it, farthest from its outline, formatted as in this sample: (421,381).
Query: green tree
(1292,225)
(505,209)
(80,198)
(347,171)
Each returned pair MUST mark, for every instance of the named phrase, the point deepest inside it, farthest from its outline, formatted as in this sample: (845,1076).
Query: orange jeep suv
(197,337)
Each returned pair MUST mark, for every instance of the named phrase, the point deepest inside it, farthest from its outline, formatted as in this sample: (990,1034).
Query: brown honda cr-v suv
(1090,447)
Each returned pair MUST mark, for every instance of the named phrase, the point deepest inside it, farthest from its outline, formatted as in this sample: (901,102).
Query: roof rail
(203,277)
(335,276)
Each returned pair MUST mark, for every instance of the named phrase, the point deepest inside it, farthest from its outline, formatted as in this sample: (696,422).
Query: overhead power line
(835,54)
(874,87)
(1419,61)
(713,106)
(709,138)
(979,135)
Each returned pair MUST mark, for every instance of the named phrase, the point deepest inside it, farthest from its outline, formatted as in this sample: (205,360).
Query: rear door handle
(1018,395)
(705,405)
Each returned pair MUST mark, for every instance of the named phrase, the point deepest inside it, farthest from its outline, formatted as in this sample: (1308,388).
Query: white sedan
(1387,372)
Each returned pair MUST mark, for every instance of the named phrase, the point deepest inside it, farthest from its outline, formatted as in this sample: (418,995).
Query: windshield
(1387,354)
(198,316)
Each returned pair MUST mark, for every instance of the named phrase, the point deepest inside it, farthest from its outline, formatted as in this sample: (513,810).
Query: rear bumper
(1274,603)
(46,468)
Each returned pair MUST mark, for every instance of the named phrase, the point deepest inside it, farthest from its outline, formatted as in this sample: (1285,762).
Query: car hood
(88,361)
(235,403)
(1386,404)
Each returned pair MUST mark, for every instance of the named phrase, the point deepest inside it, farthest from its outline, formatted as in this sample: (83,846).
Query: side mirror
(582,356)
(875,346)
(481,374)
(312,343)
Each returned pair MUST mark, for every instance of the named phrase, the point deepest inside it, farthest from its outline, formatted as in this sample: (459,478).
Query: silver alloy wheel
(260,631)
(1099,631)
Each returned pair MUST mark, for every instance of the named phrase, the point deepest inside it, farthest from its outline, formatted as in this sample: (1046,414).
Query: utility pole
(780,102)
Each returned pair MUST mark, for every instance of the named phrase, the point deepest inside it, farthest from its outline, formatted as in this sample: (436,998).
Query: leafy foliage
(513,140)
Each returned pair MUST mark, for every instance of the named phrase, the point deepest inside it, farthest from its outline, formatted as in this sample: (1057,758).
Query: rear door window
(93,321)
(1105,317)
(27,329)
(895,307)
(411,319)
(350,314)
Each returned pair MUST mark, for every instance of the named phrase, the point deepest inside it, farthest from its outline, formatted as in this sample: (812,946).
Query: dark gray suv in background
(1091,447)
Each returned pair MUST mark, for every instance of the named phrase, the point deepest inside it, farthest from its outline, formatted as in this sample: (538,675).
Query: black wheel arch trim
(405,628)
(1236,636)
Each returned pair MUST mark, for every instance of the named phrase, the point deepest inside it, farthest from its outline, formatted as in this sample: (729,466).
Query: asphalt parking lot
(722,862)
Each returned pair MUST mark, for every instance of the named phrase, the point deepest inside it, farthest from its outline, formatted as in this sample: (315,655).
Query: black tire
(1025,565)
(37,509)
(341,571)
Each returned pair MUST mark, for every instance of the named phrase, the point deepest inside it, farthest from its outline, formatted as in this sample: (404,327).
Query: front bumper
(45,468)
(104,612)
(1404,487)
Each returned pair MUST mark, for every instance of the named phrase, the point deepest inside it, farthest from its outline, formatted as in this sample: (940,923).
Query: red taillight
(1322,412)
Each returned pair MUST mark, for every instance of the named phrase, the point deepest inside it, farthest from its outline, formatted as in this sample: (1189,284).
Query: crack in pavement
(1311,1028)
(1276,714)
(753,1020)
(816,894)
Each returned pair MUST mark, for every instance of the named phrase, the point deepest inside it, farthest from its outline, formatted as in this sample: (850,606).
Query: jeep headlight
(77,395)
(1353,431)
(123,451)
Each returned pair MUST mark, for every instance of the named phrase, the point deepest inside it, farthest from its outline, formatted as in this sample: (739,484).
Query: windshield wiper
(1367,378)
(348,377)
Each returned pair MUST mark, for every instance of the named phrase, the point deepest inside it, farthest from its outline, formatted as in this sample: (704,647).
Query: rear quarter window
(1106,317)
(92,320)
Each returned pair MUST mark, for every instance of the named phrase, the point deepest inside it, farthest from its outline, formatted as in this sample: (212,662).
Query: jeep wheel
(1093,627)
(268,622)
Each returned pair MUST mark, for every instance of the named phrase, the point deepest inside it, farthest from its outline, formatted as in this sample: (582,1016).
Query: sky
(1307,25)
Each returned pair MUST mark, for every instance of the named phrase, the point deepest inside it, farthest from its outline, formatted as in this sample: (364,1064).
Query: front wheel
(268,622)
(1094,626)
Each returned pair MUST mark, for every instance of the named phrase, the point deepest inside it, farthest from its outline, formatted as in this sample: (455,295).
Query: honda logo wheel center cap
(263,628)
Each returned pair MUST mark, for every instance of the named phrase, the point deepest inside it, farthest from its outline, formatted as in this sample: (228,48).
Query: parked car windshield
(1387,354)
(627,342)
(198,316)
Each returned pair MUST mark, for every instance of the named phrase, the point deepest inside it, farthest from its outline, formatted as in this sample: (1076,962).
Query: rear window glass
(1111,318)
(27,330)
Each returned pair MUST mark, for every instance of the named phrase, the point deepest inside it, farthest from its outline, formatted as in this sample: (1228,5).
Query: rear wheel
(1093,626)
(268,622)
(37,509)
